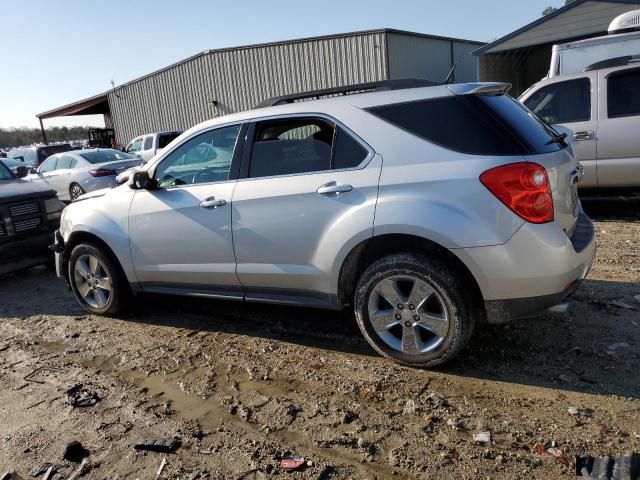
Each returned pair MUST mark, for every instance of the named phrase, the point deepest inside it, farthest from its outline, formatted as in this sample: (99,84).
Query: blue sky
(57,52)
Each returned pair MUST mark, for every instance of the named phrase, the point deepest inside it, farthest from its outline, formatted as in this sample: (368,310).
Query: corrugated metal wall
(180,96)
(412,56)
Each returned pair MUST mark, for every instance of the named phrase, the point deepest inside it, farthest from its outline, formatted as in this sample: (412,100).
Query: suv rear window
(165,139)
(474,124)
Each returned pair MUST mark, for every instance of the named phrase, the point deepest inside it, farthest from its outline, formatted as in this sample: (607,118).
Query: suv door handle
(583,135)
(334,187)
(211,202)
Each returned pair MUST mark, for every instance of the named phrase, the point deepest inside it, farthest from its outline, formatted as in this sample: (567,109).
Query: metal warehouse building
(218,82)
(522,57)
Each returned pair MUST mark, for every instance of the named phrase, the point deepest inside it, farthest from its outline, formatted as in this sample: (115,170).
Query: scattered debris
(564,378)
(437,400)
(293,462)
(539,447)
(75,452)
(409,408)
(619,304)
(624,467)
(613,350)
(49,473)
(482,437)
(81,397)
(11,476)
(163,445)
(45,467)
(573,410)
(32,377)
(161,467)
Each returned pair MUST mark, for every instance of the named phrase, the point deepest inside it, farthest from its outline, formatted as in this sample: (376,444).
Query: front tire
(414,310)
(97,281)
(75,191)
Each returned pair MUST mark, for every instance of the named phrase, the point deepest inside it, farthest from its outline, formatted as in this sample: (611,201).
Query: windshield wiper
(559,139)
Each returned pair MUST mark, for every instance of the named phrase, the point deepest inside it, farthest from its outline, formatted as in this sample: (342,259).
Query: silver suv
(427,210)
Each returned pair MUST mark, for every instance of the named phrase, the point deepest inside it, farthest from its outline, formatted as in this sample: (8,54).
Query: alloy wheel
(76,191)
(408,314)
(92,280)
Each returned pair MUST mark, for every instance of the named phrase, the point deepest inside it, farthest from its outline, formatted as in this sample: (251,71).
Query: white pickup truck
(593,89)
(146,146)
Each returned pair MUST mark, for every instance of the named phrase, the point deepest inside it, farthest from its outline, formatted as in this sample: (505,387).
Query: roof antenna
(447,80)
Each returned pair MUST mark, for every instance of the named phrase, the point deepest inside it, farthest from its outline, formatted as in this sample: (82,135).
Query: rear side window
(48,165)
(285,147)
(562,102)
(474,124)
(65,161)
(166,138)
(623,99)
(148,142)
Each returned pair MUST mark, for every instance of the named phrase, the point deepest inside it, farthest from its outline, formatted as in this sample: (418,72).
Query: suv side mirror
(140,180)
(22,171)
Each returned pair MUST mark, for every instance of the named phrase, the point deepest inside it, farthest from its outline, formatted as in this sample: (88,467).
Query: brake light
(524,188)
(101,172)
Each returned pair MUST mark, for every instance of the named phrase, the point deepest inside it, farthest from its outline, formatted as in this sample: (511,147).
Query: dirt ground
(244,385)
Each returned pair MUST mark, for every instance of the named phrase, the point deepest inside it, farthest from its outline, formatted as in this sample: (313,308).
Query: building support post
(44,134)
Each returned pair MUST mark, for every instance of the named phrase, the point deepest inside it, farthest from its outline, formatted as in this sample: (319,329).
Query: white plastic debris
(573,410)
(409,408)
(482,437)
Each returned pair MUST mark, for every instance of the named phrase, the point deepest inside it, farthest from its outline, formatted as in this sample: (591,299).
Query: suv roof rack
(348,89)
(613,62)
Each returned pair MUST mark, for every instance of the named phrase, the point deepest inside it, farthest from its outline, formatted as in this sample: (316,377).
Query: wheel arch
(376,247)
(81,236)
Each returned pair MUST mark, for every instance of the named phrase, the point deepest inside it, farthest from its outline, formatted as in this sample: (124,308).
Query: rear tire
(97,281)
(75,191)
(414,310)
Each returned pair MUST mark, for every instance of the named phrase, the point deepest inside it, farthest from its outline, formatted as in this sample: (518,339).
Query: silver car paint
(281,245)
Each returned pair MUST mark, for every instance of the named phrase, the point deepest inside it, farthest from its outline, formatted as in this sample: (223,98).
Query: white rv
(593,89)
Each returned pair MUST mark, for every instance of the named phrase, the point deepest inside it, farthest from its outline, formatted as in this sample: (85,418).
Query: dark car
(29,214)
(34,156)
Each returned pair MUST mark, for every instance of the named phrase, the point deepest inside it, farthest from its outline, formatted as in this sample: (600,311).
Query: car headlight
(54,208)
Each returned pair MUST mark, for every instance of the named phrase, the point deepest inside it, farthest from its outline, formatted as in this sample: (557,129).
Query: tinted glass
(563,102)
(48,165)
(475,124)
(5,173)
(348,153)
(202,159)
(623,94)
(107,155)
(284,147)
(166,138)
(148,142)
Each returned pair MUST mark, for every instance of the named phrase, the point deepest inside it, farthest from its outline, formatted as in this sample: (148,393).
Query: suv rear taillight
(524,188)
(101,172)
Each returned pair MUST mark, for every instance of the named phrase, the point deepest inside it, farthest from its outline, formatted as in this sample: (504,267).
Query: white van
(600,104)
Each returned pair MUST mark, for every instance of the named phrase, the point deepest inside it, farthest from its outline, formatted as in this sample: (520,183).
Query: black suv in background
(29,214)
(34,156)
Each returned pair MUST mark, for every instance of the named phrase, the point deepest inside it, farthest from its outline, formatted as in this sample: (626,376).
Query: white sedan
(74,173)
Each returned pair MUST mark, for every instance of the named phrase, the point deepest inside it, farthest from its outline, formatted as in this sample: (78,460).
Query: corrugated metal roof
(533,34)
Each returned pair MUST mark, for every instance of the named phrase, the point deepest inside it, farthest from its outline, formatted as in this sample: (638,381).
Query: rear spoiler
(479,88)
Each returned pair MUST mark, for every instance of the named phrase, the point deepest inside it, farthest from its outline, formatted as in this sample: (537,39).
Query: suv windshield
(102,156)
(5,173)
(474,124)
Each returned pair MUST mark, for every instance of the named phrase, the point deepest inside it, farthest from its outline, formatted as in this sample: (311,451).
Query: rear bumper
(536,269)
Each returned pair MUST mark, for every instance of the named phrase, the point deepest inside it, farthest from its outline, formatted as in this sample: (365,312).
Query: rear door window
(623,93)
(48,165)
(148,142)
(474,124)
(562,102)
(65,162)
(302,145)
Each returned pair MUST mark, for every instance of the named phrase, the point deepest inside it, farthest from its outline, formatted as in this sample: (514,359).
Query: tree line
(15,137)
